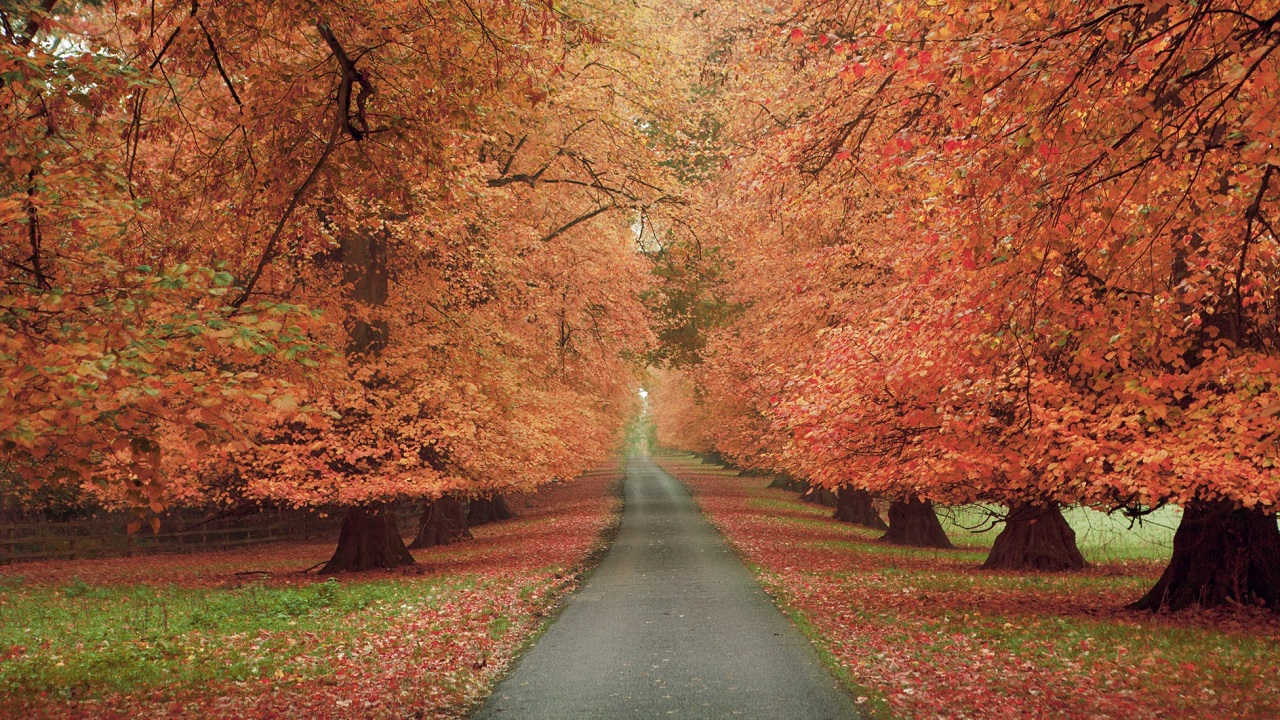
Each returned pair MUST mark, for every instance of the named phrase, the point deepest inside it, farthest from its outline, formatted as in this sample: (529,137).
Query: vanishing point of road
(670,625)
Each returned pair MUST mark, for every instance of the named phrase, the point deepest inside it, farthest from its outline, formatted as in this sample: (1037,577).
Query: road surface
(670,625)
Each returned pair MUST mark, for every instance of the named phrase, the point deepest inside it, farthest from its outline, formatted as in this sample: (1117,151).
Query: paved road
(670,625)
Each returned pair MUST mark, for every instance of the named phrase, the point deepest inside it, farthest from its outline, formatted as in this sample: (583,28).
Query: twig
(342,123)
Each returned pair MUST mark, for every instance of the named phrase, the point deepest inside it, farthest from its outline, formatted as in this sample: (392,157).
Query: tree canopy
(349,253)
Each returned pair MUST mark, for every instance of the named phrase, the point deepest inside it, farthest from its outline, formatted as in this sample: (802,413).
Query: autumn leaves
(261,254)
(1019,254)
(1024,254)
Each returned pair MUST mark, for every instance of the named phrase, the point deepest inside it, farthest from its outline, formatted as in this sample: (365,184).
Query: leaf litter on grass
(932,636)
(188,636)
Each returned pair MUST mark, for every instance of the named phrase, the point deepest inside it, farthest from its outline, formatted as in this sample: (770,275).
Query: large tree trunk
(819,495)
(1035,537)
(368,539)
(913,522)
(443,522)
(855,507)
(1221,554)
(786,482)
(487,510)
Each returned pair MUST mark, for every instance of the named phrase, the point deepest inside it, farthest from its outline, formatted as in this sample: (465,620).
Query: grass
(1101,537)
(201,635)
(79,639)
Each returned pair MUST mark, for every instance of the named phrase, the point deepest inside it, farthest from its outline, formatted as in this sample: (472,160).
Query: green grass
(149,636)
(1101,537)
(85,639)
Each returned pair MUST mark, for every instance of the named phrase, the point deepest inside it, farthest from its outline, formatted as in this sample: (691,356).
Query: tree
(112,346)
(253,188)
(1080,216)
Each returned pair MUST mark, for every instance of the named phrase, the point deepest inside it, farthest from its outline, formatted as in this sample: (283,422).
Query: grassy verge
(185,636)
(1100,537)
(79,640)
(924,633)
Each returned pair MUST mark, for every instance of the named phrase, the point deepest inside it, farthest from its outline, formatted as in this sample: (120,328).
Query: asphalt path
(671,624)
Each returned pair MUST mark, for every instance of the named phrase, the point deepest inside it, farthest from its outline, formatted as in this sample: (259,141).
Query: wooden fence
(107,537)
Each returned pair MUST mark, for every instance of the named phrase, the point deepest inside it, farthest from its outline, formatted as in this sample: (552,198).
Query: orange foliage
(181,187)
(1004,252)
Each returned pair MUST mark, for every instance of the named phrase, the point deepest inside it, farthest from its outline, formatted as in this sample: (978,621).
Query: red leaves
(430,656)
(853,72)
(1096,324)
(935,638)
(132,222)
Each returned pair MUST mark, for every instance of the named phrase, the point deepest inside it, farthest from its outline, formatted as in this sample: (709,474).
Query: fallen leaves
(933,637)
(429,646)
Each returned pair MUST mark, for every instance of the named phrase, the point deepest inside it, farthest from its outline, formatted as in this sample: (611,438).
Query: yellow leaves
(286,403)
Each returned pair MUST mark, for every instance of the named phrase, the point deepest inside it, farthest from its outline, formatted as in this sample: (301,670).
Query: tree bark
(1221,555)
(819,495)
(855,506)
(786,482)
(368,539)
(487,510)
(1035,537)
(443,522)
(364,268)
(913,522)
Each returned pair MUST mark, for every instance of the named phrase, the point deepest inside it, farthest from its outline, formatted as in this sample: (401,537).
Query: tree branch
(33,230)
(217,61)
(341,124)
(580,219)
(351,75)
(1252,215)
